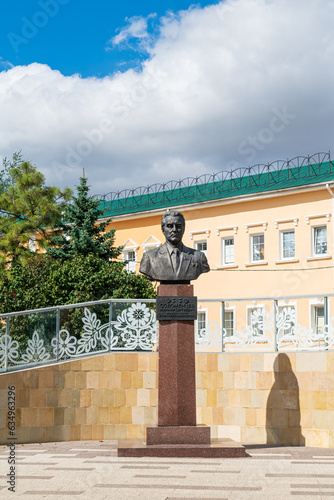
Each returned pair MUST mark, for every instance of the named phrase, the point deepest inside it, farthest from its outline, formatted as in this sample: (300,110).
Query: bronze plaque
(176,308)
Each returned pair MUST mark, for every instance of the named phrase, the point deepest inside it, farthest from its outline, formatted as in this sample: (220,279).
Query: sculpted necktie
(176,259)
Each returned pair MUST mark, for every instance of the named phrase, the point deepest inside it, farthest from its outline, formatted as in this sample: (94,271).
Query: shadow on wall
(283,408)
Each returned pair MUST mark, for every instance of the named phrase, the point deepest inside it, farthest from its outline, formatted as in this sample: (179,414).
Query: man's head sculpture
(173,226)
(173,261)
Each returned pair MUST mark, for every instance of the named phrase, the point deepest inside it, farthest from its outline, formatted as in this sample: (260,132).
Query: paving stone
(90,469)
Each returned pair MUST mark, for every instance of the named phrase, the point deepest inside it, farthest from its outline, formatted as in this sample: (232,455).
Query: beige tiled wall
(253,398)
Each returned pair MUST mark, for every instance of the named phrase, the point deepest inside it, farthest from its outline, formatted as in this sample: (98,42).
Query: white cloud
(5,64)
(248,82)
(136,30)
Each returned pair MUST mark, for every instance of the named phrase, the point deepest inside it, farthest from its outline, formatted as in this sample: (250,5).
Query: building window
(319,240)
(129,257)
(201,246)
(150,243)
(317,318)
(227,251)
(201,321)
(32,244)
(256,318)
(287,244)
(229,323)
(257,247)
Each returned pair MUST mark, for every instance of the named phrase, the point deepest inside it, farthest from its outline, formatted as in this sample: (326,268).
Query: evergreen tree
(81,232)
(28,208)
(5,178)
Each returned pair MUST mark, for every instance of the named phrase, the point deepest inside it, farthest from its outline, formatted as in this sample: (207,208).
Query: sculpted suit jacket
(157,264)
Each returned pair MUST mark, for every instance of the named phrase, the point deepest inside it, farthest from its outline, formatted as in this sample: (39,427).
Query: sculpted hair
(173,213)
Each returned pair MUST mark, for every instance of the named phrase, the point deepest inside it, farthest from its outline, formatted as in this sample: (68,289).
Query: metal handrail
(70,306)
(152,301)
(283,297)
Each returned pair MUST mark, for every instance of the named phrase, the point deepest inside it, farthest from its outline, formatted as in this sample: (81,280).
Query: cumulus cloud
(233,84)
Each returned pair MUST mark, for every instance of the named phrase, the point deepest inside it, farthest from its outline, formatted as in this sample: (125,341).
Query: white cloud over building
(233,84)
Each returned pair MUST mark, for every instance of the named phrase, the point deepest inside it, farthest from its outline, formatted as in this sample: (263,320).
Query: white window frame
(223,247)
(232,310)
(252,236)
(313,305)
(281,244)
(314,229)
(130,263)
(130,246)
(150,243)
(32,244)
(316,320)
(197,243)
(205,312)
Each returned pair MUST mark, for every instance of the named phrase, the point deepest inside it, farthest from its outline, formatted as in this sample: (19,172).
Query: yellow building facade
(268,234)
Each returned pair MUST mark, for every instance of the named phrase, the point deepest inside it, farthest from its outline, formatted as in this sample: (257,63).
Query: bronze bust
(173,261)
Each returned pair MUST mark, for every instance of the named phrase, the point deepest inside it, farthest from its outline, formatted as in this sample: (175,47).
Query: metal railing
(256,324)
(267,324)
(54,334)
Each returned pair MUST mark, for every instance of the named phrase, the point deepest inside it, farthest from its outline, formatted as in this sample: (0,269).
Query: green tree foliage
(5,178)
(28,208)
(43,282)
(81,233)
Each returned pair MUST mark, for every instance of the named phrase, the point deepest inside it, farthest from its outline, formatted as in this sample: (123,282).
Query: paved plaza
(92,470)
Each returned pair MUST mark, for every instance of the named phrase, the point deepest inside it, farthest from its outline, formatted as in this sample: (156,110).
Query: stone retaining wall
(253,398)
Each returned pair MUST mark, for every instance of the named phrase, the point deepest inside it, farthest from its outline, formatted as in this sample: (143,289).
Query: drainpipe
(332,195)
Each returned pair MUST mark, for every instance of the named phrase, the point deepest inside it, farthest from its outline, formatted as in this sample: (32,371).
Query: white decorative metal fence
(67,332)
(56,334)
(264,324)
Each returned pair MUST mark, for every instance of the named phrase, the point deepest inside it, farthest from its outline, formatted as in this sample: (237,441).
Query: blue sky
(72,35)
(139,93)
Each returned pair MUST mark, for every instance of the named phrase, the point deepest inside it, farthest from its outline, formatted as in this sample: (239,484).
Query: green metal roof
(224,188)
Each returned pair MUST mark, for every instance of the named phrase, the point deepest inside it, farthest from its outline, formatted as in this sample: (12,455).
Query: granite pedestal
(177,434)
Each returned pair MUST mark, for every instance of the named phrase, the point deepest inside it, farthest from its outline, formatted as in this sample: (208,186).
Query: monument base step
(178,434)
(220,448)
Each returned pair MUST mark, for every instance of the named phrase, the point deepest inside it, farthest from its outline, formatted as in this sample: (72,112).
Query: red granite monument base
(191,434)
(216,449)
(177,434)
(176,384)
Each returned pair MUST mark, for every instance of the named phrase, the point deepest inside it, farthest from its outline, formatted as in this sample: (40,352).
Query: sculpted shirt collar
(171,248)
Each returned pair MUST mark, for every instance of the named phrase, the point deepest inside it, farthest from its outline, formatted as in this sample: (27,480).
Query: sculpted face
(173,229)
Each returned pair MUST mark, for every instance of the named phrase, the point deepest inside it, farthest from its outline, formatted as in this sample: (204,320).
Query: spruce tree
(81,232)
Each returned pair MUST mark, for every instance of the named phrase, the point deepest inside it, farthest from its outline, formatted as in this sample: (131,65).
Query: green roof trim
(222,189)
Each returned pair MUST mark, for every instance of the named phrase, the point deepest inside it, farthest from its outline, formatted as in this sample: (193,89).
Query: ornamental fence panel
(52,335)
(263,324)
(56,334)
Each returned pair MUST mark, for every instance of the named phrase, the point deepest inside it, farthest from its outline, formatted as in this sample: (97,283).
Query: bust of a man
(173,261)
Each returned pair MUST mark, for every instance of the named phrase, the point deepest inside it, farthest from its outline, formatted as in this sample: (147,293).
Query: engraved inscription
(176,308)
